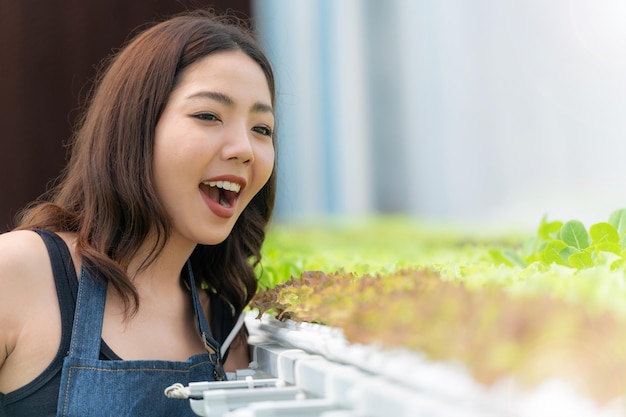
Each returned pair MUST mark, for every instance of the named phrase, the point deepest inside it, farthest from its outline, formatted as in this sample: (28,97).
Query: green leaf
(551,254)
(574,234)
(613,247)
(580,260)
(567,252)
(499,257)
(618,220)
(617,264)
(603,232)
(549,230)
(514,257)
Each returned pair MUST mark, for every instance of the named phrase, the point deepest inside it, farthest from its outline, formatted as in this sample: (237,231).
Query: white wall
(481,112)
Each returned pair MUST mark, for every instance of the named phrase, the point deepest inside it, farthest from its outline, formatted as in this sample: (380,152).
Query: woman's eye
(209,117)
(263,130)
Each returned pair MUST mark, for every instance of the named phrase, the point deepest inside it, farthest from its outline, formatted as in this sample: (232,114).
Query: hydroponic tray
(305,369)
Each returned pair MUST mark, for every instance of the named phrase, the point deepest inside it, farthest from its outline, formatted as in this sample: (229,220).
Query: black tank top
(40,396)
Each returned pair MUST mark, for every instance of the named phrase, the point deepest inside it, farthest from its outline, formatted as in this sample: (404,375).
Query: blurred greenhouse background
(481,112)
(465,112)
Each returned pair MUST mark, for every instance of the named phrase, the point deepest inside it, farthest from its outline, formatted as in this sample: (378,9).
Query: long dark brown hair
(106,194)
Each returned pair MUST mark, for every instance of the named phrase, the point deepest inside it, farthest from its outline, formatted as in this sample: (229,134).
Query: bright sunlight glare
(601,28)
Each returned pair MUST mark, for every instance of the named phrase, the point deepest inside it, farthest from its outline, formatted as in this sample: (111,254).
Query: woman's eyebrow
(212,95)
(257,107)
(262,108)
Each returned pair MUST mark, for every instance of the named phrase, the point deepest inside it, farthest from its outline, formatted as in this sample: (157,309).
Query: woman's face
(213,146)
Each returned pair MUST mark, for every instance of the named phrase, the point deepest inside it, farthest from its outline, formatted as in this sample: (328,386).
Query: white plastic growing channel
(304,369)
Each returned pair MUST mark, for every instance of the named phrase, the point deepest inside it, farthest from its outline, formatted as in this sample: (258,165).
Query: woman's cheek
(269,163)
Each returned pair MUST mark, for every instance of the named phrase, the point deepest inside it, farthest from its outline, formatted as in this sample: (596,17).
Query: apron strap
(87,328)
(210,344)
(203,325)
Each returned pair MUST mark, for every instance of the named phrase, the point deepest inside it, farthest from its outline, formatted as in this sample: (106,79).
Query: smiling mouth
(224,193)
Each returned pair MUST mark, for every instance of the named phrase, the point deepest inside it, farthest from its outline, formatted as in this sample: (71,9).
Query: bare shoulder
(24,267)
(23,256)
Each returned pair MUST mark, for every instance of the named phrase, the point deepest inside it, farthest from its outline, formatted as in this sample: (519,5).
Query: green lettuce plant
(571,244)
(541,307)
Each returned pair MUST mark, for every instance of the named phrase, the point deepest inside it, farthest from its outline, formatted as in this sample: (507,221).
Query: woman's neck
(162,271)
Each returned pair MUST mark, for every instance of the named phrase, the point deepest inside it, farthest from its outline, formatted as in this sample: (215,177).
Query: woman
(135,272)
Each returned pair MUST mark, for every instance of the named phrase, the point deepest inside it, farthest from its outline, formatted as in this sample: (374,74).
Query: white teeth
(226,185)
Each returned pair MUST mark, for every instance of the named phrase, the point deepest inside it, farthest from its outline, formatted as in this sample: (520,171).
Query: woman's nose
(238,145)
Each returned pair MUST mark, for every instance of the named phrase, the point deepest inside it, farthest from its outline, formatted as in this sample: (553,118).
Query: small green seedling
(571,244)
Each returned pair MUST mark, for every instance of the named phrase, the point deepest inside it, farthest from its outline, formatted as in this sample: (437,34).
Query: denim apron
(94,387)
